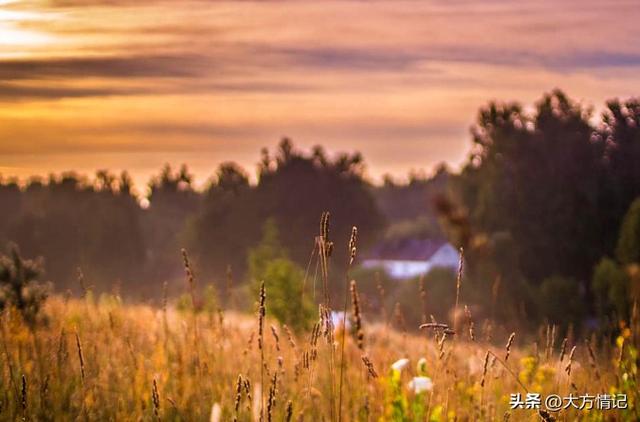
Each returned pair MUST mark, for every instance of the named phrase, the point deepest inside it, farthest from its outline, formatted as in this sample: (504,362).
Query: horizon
(141,182)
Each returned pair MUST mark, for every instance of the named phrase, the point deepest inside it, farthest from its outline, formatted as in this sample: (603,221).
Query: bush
(628,248)
(612,279)
(283,283)
(610,287)
(283,280)
(19,285)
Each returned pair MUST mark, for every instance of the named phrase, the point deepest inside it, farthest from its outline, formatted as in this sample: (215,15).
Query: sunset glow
(134,84)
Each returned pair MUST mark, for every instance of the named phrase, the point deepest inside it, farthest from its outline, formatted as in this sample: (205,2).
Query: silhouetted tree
(74,222)
(553,185)
(172,201)
(294,189)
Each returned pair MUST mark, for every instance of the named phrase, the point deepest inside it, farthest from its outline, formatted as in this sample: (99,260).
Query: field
(102,360)
(335,211)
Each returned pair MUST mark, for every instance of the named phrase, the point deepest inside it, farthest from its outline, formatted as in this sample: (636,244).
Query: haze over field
(131,84)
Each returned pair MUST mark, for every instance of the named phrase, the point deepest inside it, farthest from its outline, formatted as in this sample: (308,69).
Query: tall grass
(138,362)
(121,363)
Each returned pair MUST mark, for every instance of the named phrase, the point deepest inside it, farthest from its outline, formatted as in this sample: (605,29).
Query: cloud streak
(221,77)
(15,92)
(111,67)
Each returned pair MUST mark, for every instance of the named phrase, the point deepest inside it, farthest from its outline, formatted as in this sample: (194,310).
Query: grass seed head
(508,347)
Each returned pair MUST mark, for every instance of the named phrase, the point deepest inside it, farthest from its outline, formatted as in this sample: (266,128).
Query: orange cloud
(89,84)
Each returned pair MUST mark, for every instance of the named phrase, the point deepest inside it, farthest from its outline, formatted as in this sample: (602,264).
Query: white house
(408,258)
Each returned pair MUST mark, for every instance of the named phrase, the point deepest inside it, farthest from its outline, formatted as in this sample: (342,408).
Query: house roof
(406,249)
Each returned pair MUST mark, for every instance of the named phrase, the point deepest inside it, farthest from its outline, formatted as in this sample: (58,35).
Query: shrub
(283,280)
(610,287)
(19,285)
(628,248)
(612,279)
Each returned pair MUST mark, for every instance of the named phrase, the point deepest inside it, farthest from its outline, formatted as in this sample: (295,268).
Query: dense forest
(96,225)
(543,207)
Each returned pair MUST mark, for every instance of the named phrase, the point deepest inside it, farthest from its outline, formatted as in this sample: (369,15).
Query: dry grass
(140,363)
(136,362)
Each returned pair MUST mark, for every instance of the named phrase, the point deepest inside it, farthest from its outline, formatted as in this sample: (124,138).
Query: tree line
(98,227)
(543,208)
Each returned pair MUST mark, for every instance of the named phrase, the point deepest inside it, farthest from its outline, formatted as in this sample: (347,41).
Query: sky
(134,84)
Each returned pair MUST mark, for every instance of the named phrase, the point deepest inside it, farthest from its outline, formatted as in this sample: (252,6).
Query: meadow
(96,358)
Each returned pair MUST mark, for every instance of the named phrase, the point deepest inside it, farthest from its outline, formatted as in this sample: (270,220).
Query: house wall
(445,257)
(399,269)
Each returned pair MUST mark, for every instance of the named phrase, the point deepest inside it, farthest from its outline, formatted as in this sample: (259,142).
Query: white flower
(400,364)
(420,384)
(216,412)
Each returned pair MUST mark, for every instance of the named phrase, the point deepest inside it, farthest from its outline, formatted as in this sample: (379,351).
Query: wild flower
(216,413)
(420,384)
(400,364)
